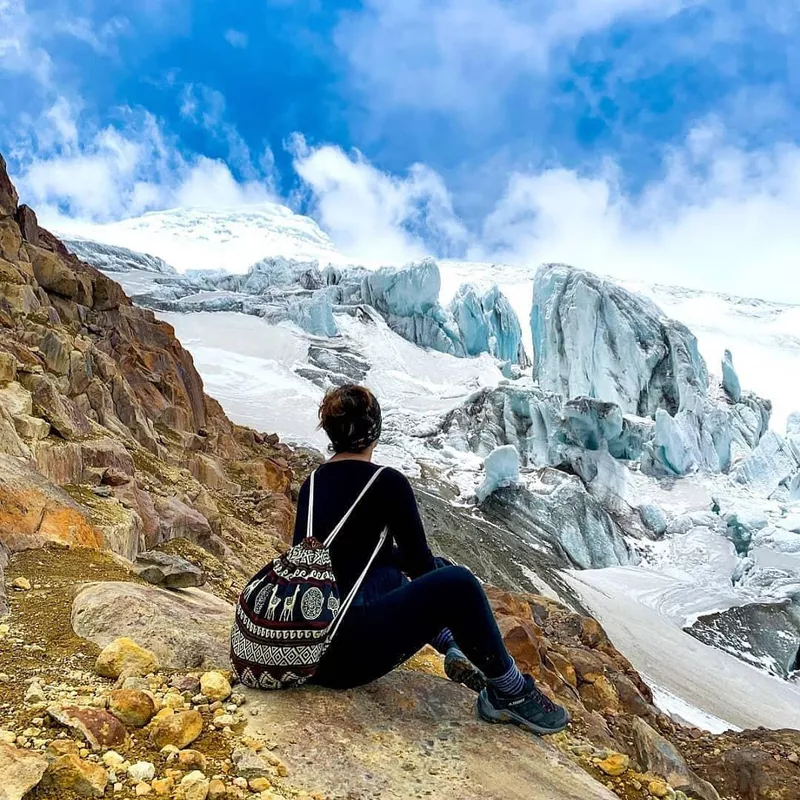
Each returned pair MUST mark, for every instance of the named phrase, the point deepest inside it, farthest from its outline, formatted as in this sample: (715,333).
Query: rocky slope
(111,686)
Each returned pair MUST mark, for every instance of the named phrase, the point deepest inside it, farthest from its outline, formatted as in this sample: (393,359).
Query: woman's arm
(412,553)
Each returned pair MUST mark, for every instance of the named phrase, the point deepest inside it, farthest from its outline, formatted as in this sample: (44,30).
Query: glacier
(629,455)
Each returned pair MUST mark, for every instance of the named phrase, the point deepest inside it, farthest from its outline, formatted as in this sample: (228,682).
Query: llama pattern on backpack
(288,605)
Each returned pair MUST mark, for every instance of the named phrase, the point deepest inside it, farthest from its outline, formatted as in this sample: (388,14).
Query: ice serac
(488,324)
(314,315)
(592,337)
(595,339)
(502,470)
(730,380)
(109,258)
(408,299)
(771,469)
(510,414)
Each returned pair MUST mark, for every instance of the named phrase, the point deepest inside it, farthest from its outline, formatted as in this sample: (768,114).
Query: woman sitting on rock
(408,598)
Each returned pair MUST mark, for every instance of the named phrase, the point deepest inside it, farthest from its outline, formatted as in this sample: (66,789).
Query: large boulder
(406,731)
(186,629)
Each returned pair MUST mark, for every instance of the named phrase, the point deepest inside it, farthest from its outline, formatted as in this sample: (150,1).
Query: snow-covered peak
(217,238)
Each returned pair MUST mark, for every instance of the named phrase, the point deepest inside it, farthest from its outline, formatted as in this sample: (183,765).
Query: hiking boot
(460,669)
(531,710)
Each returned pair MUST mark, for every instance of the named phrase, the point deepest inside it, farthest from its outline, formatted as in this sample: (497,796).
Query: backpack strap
(335,532)
(356,586)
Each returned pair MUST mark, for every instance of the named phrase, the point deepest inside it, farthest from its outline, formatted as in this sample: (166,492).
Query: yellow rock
(175,701)
(178,729)
(143,789)
(217,790)
(615,764)
(215,686)
(163,786)
(124,655)
(259,784)
(658,788)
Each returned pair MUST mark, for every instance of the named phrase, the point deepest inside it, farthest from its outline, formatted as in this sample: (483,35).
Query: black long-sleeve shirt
(389,502)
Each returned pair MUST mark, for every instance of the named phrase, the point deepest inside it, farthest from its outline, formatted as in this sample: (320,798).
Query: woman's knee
(460,580)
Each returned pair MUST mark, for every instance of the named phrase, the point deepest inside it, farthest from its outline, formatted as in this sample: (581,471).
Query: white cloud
(719,218)
(73,171)
(461,56)
(372,215)
(236,38)
(19,52)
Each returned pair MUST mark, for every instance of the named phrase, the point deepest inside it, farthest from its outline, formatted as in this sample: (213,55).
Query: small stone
(169,752)
(174,700)
(179,729)
(193,786)
(658,788)
(113,760)
(21,584)
(131,707)
(125,656)
(227,721)
(191,760)
(794,758)
(259,784)
(615,764)
(71,774)
(143,789)
(216,790)
(240,782)
(163,786)
(142,771)
(185,683)
(35,694)
(8,737)
(215,686)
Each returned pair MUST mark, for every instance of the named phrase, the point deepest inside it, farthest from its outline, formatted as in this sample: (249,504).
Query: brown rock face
(113,399)
(100,729)
(8,194)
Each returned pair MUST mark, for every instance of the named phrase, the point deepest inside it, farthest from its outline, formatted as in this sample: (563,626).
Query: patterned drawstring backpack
(290,611)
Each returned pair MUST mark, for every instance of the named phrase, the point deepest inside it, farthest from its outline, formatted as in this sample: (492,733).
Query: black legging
(379,635)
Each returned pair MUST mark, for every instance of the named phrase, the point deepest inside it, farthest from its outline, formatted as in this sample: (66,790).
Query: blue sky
(655,139)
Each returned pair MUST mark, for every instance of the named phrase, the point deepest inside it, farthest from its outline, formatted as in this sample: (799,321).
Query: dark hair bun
(351,416)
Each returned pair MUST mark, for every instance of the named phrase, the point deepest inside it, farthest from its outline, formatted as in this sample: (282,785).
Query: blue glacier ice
(408,299)
(730,380)
(314,315)
(793,433)
(487,324)
(502,470)
(594,338)
(771,469)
